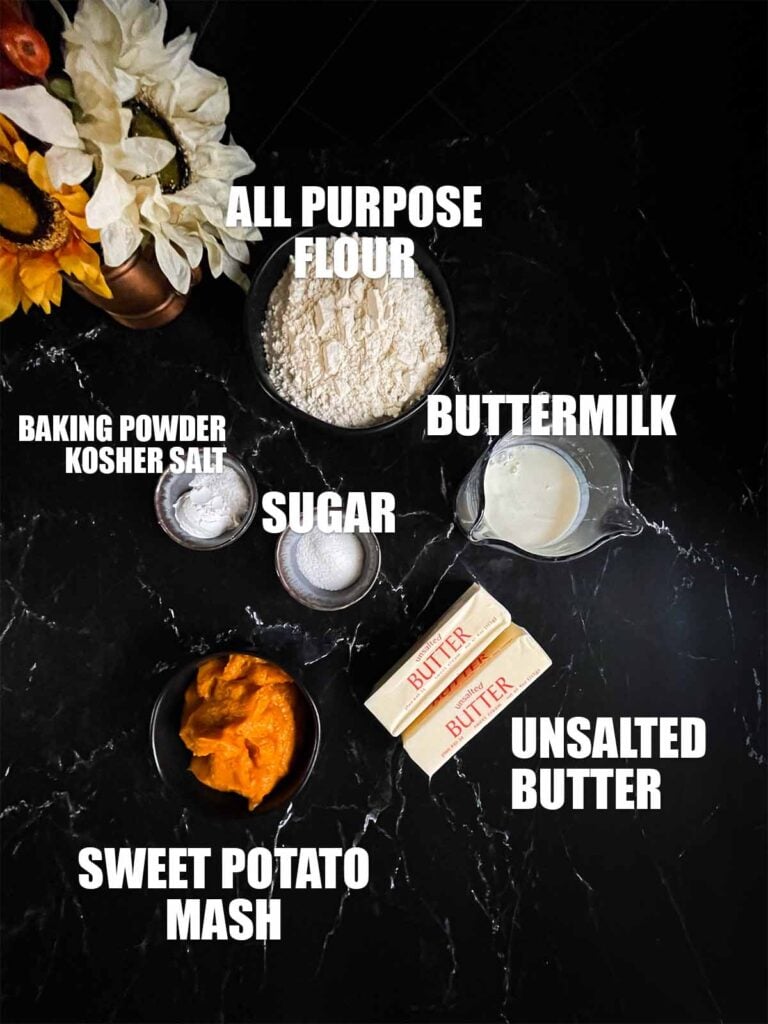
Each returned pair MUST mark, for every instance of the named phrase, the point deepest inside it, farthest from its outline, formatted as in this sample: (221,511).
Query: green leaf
(62,89)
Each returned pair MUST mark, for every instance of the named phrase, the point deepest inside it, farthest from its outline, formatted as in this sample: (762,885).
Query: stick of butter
(438,656)
(495,678)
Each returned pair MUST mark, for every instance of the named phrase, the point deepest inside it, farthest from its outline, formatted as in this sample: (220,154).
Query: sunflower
(153,120)
(42,231)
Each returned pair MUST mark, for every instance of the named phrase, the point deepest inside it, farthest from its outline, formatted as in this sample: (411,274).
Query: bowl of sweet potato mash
(234,734)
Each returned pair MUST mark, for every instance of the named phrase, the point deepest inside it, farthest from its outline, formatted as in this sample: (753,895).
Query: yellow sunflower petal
(35,272)
(74,198)
(53,290)
(8,133)
(38,173)
(21,151)
(10,286)
(81,261)
(74,201)
(89,234)
(95,282)
(75,254)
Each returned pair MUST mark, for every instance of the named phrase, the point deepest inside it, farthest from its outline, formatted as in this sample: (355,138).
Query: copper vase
(142,296)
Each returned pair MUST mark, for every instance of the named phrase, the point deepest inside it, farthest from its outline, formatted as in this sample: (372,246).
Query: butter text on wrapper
(475,697)
(436,658)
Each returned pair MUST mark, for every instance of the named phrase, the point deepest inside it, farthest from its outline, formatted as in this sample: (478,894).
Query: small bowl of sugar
(327,571)
(206,511)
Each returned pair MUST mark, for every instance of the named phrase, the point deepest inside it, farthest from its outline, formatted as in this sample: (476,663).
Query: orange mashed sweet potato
(240,722)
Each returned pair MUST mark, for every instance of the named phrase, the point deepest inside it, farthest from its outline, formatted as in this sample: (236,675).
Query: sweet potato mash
(240,722)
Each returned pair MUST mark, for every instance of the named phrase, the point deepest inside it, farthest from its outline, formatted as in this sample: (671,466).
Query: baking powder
(214,503)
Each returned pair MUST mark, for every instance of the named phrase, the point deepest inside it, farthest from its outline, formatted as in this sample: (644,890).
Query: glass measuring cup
(604,508)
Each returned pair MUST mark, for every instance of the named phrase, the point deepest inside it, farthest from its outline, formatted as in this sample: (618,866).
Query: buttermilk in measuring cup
(533,496)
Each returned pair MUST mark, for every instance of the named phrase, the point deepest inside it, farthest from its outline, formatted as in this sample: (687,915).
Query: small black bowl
(172,757)
(264,284)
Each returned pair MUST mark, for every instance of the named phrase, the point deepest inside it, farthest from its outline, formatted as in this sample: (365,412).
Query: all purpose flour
(354,352)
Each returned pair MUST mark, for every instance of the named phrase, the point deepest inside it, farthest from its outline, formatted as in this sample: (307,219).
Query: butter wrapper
(436,658)
(476,696)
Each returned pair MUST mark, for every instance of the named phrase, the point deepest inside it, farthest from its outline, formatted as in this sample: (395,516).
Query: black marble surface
(620,147)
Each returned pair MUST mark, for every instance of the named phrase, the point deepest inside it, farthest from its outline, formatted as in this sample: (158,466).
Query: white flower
(35,111)
(154,121)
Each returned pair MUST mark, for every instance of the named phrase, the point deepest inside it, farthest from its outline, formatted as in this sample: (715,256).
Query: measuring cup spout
(478,531)
(623,520)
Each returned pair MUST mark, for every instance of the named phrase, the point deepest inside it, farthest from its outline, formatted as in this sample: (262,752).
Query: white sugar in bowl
(327,571)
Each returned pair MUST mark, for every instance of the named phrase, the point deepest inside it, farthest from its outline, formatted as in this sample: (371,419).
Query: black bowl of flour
(259,296)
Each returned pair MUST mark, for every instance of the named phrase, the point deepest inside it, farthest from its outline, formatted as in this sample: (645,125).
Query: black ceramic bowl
(172,757)
(267,278)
